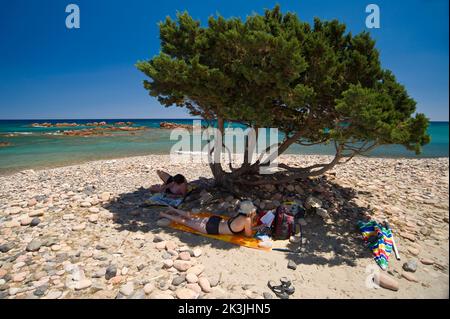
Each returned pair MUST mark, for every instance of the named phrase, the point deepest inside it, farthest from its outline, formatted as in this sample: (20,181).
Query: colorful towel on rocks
(238,239)
(379,240)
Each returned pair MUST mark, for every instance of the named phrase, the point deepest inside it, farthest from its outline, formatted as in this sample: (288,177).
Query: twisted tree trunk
(215,163)
(248,174)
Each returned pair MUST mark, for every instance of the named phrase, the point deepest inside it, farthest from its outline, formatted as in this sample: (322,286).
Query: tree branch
(360,151)
(286,179)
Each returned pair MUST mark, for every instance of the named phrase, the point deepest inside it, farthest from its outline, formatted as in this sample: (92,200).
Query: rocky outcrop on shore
(97,129)
(47,124)
(103,131)
(74,124)
(170,125)
(100,128)
(123,123)
(84,232)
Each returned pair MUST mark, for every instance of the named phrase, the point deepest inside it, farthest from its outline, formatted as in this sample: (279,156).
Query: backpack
(283,225)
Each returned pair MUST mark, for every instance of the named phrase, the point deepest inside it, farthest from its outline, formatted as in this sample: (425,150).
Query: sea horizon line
(125,118)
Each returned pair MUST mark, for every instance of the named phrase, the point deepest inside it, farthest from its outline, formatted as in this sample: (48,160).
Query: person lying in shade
(174,186)
(216,225)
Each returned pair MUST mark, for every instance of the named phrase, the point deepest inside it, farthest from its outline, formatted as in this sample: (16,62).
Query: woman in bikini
(174,186)
(215,225)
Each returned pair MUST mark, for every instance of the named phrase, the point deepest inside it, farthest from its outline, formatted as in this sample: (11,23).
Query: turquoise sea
(37,147)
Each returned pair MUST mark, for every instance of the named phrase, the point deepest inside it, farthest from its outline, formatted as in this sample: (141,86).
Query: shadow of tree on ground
(331,243)
(132,214)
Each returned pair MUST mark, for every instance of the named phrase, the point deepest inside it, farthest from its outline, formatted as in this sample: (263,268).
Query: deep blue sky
(48,71)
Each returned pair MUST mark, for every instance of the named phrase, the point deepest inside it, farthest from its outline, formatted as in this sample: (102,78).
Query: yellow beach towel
(234,239)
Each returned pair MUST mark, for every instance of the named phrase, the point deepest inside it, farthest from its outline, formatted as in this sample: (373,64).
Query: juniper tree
(315,83)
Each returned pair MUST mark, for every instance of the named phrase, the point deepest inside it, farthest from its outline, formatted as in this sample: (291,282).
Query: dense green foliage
(316,82)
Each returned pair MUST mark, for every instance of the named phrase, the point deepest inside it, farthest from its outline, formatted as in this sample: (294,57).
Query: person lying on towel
(216,225)
(174,186)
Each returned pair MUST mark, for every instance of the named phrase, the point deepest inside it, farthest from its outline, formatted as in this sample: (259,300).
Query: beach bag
(283,225)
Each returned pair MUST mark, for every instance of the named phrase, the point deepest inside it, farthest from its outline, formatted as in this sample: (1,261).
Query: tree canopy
(316,83)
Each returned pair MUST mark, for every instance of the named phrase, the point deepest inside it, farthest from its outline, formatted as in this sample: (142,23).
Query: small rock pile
(188,280)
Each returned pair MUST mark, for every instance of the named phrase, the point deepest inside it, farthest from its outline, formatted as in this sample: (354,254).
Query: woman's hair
(179,179)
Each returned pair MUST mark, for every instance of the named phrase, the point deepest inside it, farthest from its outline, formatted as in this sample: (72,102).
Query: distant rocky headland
(105,131)
(98,128)
(171,125)
(74,124)
(102,128)
(165,125)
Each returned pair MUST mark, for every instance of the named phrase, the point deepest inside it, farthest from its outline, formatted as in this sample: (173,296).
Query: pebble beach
(82,231)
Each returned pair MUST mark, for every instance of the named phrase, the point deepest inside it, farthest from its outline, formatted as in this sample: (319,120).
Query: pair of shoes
(287,286)
(284,290)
